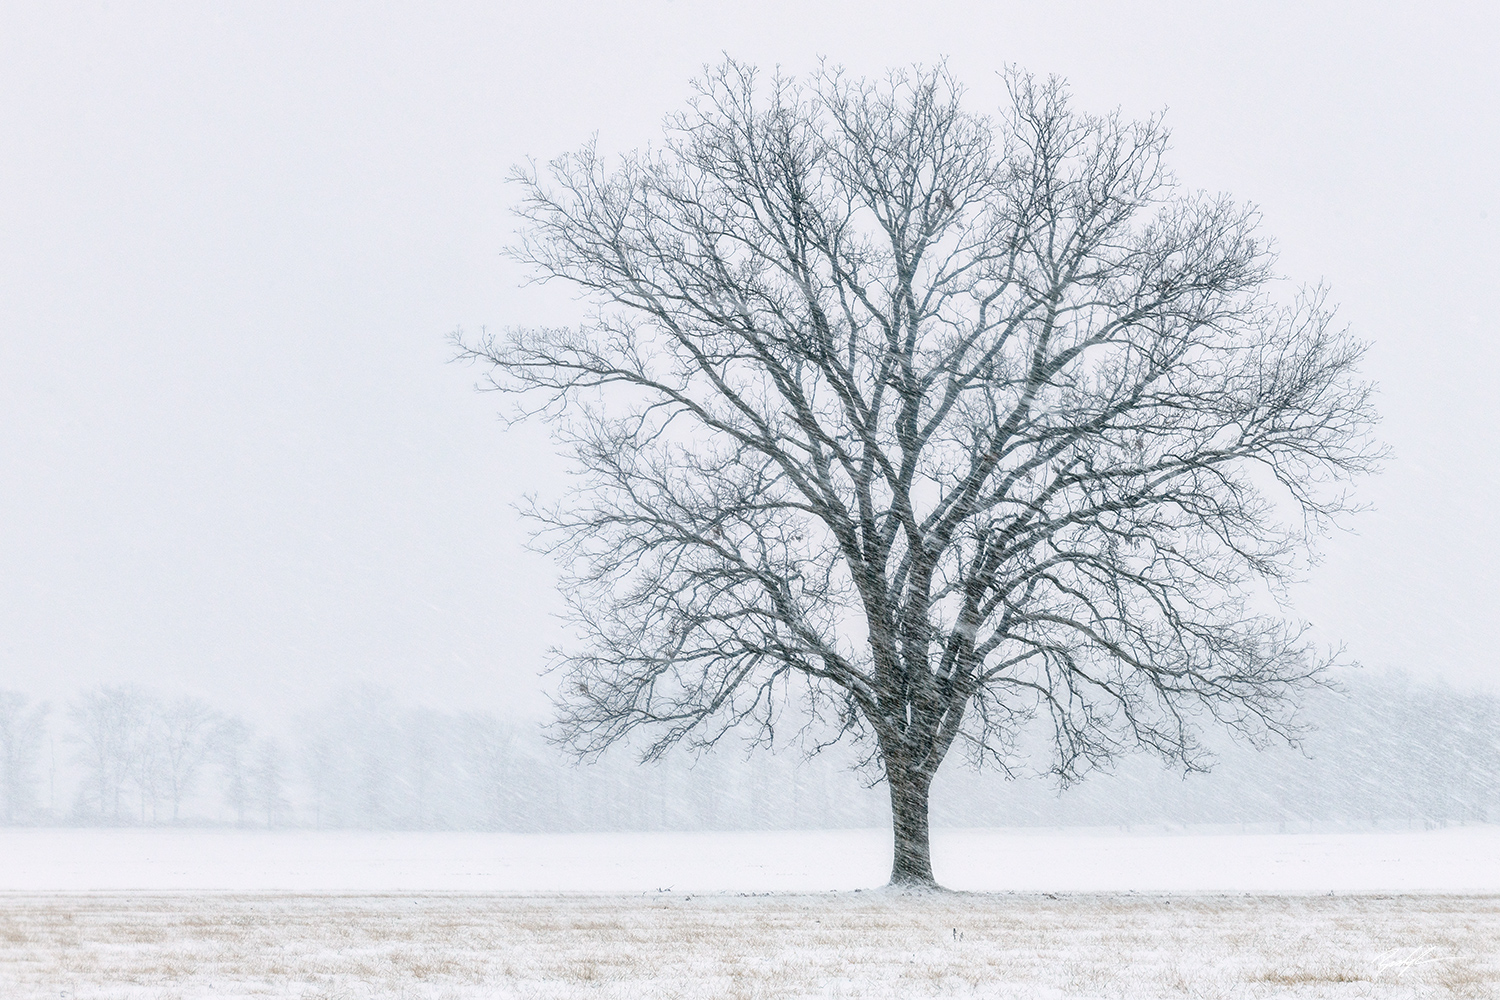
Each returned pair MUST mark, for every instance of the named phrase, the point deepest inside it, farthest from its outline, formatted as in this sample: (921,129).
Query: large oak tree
(955,424)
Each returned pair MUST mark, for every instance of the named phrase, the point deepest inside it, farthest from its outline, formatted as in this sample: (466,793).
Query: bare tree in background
(147,755)
(21,733)
(269,780)
(232,741)
(110,728)
(424,737)
(187,728)
(318,762)
(490,767)
(949,423)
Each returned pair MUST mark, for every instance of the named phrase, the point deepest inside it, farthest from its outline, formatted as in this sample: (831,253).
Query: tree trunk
(911,866)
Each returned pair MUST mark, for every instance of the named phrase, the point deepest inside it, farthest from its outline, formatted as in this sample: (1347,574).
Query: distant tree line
(1385,751)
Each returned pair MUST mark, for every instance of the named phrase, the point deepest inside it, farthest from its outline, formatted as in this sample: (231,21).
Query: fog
(1382,751)
(237,465)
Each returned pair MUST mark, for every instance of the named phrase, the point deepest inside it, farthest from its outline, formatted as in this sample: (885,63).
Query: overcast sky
(233,238)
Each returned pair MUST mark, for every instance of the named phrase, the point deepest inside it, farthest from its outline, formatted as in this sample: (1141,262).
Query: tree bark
(911,865)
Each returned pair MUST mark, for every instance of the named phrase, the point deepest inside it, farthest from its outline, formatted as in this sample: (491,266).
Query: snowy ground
(870,944)
(1457,859)
(174,915)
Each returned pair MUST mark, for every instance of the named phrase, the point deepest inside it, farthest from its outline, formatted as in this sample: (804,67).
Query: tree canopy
(947,423)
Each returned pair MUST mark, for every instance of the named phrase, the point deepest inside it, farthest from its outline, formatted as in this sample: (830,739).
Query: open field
(158,914)
(868,944)
(1454,860)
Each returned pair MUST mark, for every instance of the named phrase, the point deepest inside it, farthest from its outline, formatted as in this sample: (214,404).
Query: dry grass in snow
(871,944)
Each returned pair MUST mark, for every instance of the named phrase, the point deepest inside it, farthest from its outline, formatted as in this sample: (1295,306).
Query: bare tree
(947,422)
(186,733)
(110,729)
(426,753)
(232,739)
(319,763)
(148,759)
(21,732)
(490,765)
(269,780)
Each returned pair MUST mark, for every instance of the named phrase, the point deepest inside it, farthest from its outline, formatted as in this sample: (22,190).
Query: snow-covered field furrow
(1455,860)
(871,944)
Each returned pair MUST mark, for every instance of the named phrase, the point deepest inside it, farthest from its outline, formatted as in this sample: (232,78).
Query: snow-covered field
(1457,859)
(870,944)
(173,915)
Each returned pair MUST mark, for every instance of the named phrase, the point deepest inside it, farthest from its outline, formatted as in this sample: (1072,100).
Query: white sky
(233,237)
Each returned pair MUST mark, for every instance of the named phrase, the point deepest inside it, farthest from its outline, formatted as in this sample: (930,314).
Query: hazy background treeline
(1386,751)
